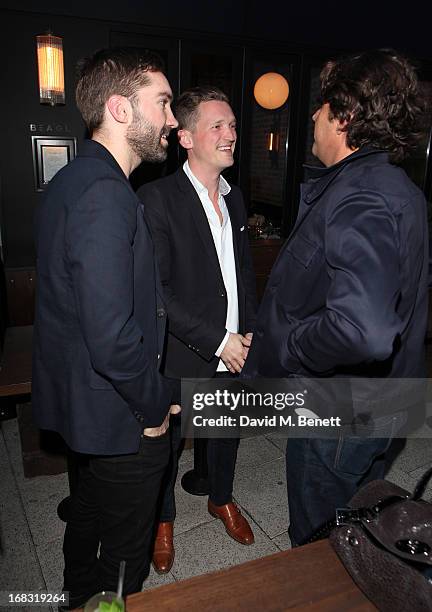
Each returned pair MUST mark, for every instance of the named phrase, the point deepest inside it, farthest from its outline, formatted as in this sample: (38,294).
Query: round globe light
(271,90)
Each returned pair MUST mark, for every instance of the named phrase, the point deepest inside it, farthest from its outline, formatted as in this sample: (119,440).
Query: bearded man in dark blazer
(97,338)
(199,227)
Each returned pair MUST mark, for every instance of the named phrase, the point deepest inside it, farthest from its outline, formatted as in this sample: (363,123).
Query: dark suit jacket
(348,292)
(98,333)
(191,277)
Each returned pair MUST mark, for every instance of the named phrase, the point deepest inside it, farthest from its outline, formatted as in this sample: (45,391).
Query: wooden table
(306,578)
(16,361)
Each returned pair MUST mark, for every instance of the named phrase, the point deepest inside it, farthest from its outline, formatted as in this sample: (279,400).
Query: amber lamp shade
(50,69)
(271,90)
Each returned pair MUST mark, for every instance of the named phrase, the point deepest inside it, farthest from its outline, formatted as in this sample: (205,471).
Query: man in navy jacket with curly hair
(347,295)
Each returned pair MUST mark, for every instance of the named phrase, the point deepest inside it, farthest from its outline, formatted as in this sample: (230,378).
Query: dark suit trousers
(221,461)
(114,506)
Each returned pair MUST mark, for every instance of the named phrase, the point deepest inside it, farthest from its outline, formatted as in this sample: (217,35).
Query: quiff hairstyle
(186,107)
(377,93)
(117,71)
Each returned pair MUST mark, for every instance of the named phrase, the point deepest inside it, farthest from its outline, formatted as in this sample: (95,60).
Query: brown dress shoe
(163,552)
(235,524)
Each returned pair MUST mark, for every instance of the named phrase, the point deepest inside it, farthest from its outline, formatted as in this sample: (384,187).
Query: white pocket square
(242,228)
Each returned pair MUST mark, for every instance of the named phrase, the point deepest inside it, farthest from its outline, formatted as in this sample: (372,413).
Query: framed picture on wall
(50,154)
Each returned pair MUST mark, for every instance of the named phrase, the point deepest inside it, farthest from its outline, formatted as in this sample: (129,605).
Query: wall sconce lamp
(271,91)
(50,69)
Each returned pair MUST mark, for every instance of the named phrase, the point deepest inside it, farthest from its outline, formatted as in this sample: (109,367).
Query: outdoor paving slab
(262,492)
(208,548)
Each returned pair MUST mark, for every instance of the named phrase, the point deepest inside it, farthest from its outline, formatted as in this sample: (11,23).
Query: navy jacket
(348,292)
(99,325)
(191,277)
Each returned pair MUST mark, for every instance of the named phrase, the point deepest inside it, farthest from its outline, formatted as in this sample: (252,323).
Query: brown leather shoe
(235,524)
(163,552)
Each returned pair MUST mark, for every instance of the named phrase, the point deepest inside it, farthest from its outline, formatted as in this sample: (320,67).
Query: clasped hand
(235,351)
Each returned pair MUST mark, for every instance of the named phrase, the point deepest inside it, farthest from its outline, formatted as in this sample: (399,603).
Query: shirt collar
(320,177)
(224,187)
(317,172)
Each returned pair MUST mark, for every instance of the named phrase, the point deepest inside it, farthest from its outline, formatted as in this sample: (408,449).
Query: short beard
(144,140)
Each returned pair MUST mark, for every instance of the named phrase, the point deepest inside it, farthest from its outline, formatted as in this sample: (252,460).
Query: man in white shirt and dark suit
(199,227)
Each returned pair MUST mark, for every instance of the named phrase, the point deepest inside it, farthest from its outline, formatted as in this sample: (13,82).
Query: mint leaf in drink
(113,606)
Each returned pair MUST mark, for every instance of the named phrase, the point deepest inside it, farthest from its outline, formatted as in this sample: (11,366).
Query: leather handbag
(384,540)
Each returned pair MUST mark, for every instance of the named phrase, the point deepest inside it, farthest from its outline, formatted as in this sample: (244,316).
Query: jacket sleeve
(198,333)
(100,230)
(360,323)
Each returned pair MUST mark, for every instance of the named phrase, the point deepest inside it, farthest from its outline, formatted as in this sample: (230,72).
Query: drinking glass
(105,601)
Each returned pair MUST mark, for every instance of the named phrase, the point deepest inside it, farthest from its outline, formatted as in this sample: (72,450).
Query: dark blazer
(348,292)
(191,277)
(99,324)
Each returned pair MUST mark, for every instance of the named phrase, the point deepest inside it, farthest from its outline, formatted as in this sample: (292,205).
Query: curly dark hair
(377,93)
(120,71)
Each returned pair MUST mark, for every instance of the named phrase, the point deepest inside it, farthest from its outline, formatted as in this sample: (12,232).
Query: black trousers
(113,508)
(221,461)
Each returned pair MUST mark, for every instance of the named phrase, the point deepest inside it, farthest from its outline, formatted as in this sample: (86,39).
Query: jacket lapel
(235,224)
(192,203)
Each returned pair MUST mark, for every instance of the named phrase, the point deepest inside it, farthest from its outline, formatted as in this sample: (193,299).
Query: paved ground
(31,534)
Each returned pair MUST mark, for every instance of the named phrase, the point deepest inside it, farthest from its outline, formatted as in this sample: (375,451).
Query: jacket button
(161,312)
(222,294)
(158,356)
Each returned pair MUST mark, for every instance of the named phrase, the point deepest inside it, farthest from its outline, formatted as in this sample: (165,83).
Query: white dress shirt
(223,241)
